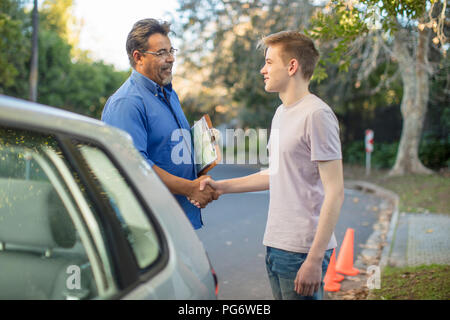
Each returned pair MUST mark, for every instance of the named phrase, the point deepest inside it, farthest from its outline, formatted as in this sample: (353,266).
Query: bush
(434,153)
(383,155)
(354,153)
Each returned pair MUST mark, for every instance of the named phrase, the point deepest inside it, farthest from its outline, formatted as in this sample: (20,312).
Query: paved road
(234,229)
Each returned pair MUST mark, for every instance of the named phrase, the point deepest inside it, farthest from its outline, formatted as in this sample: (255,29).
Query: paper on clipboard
(206,150)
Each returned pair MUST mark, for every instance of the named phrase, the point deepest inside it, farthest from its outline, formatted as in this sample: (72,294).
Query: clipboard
(206,148)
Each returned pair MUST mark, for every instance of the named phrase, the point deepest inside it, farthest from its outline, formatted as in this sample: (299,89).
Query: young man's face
(158,68)
(275,70)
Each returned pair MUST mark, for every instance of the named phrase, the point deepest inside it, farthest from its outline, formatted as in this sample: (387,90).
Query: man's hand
(200,195)
(309,278)
(206,183)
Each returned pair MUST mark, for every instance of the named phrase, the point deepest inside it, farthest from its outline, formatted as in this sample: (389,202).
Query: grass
(431,282)
(418,193)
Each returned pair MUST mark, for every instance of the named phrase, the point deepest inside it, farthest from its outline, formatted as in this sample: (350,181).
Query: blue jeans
(282,267)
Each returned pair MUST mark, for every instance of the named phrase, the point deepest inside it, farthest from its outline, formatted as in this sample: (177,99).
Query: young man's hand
(309,278)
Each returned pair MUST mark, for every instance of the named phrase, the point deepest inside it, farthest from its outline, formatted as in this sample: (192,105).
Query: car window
(135,224)
(42,253)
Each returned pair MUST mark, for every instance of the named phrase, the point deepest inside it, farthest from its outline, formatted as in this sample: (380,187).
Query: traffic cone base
(332,286)
(338,277)
(344,262)
(349,272)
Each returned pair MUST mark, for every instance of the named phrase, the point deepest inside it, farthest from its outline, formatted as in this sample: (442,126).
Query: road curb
(394,199)
(373,258)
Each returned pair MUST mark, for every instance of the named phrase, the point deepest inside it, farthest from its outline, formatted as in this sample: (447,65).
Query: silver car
(83,216)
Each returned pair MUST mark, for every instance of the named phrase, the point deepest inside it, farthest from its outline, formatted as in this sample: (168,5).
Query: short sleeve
(275,126)
(324,136)
(129,115)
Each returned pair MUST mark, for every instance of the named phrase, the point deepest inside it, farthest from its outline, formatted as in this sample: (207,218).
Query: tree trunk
(415,78)
(34,54)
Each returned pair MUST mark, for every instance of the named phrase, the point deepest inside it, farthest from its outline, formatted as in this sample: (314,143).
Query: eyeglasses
(163,53)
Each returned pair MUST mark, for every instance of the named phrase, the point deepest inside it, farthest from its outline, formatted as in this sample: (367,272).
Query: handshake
(203,191)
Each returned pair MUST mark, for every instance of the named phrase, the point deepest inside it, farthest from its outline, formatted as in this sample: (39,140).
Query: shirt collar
(149,83)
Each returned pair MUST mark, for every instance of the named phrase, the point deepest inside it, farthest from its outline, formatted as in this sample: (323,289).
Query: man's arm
(128,114)
(188,188)
(309,276)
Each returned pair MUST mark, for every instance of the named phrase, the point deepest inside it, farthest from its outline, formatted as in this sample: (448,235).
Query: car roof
(33,115)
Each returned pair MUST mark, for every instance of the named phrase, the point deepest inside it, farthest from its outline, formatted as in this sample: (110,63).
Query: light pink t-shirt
(301,135)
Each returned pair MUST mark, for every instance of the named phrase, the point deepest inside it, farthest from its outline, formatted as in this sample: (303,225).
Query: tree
(80,85)
(73,83)
(14,48)
(34,54)
(402,31)
(58,17)
(219,51)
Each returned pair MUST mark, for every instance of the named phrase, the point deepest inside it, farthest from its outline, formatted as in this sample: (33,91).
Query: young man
(147,107)
(305,172)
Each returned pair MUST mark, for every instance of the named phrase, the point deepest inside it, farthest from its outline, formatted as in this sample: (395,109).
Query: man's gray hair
(138,37)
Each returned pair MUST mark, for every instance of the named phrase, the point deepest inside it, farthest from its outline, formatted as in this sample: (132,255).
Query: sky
(106,24)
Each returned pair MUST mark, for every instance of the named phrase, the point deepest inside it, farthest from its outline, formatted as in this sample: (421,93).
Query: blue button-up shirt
(140,107)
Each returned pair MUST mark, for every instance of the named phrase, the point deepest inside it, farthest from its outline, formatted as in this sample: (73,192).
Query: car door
(46,227)
(70,225)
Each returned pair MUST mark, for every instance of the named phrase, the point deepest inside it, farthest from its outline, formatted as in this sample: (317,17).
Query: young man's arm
(255,182)
(309,275)
(188,188)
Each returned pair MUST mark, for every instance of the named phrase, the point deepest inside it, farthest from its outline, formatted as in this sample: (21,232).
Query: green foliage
(89,85)
(55,15)
(222,40)
(438,114)
(14,48)
(54,68)
(344,25)
(433,153)
(411,9)
(353,153)
(79,85)
(219,42)
(383,155)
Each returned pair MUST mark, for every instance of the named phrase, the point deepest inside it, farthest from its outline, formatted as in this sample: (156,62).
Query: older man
(147,107)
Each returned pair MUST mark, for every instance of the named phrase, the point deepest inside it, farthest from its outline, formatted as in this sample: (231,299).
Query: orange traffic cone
(344,263)
(336,277)
(330,279)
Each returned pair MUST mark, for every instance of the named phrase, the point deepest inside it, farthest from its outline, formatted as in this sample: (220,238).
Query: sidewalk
(413,239)
(398,240)
(419,239)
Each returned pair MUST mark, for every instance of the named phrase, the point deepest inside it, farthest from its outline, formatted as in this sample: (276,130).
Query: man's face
(158,68)
(275,71)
